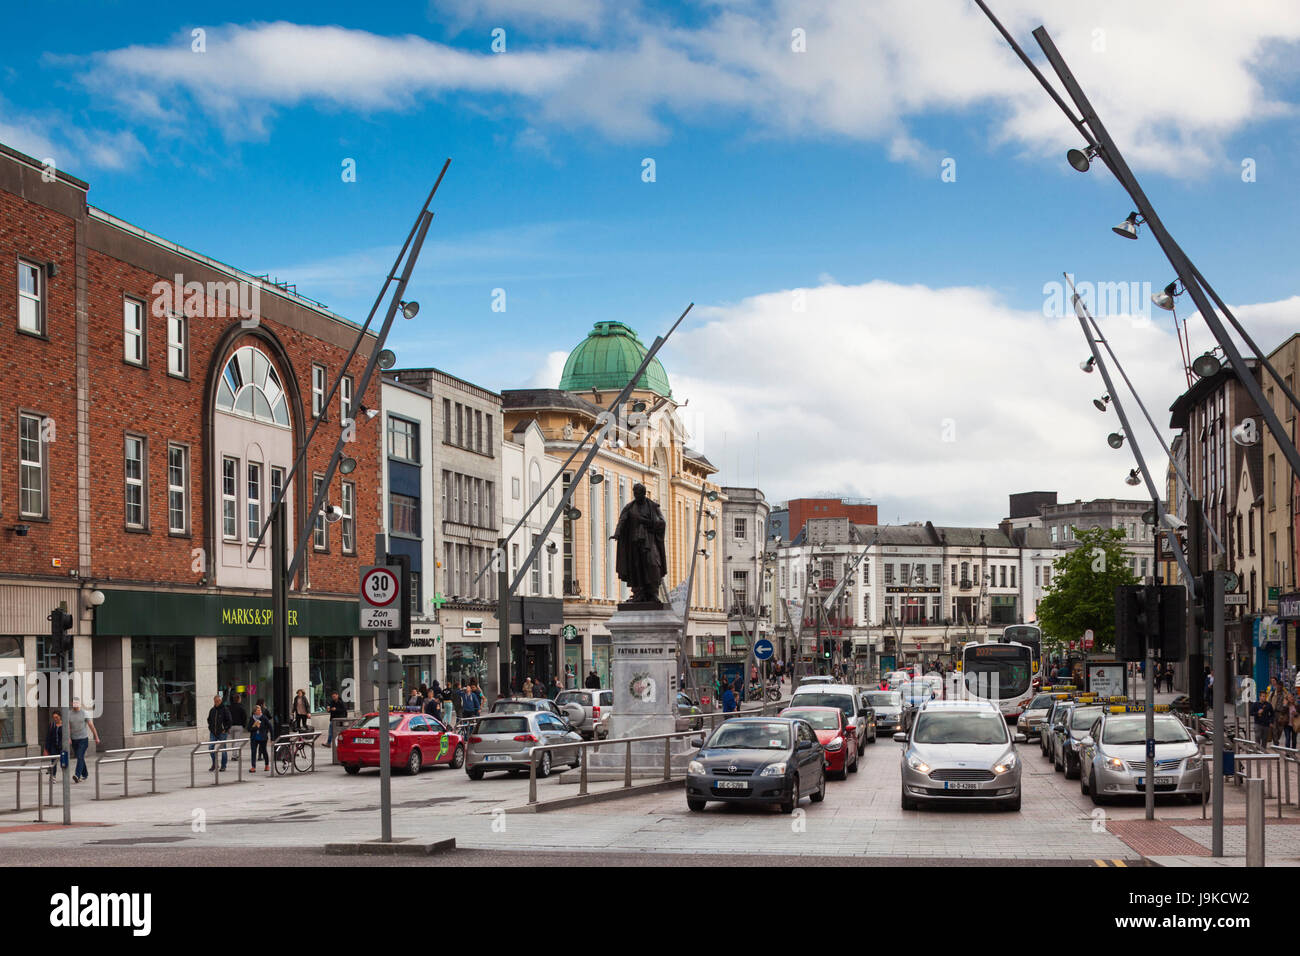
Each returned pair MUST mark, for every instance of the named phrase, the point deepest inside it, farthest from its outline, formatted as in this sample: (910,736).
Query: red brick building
(801,509)
(154,402)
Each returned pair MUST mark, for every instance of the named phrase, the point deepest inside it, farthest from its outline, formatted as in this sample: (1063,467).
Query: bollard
(1255,821)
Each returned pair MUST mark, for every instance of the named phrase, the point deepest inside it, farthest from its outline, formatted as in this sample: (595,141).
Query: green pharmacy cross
(438,601)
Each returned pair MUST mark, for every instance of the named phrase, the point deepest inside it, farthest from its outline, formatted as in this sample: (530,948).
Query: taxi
(1113,755)
(415,741)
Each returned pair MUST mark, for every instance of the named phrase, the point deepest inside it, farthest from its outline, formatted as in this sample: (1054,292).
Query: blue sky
(774,170)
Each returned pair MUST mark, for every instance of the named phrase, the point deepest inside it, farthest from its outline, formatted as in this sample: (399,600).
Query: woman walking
(259,729)
(301,710)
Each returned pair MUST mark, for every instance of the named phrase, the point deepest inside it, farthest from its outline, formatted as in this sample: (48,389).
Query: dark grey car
(758,760)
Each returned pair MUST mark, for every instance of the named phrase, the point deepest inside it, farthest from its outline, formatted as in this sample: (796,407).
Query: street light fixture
(1115,439)
(1101,403)
(1133,478)
(596,477)
(1081,159)
(1164,299)
(1087,364)
(387,359)
(1129,227)
(410,309)
(1207,365)
(348,465)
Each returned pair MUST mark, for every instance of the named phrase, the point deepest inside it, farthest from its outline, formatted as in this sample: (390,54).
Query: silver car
(888,705)
(960,750)
(1115,763)
(586,709)
(506,742)
(1035,714)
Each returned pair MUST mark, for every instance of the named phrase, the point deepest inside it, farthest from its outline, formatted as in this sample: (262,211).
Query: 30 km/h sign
(380,599)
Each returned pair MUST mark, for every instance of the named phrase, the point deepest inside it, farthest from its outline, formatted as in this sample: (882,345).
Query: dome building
(646,443)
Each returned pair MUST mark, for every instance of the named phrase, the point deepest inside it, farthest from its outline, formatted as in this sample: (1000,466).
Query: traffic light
(1130,622)
(1150,616)
(60,626)
(826,649)
(1172,642)
(402,637)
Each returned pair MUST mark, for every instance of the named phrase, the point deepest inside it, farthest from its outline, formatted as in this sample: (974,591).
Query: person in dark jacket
(218,729)
(471,700)
(238,715)
(433,706)
(1263,722)
(338,711)
(259,732)
(728,700)
(54,740)
(592,682)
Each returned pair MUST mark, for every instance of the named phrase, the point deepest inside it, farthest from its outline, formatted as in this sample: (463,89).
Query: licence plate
(732,784)
(491,757)
(1160,781)
(950,785)
(363,740)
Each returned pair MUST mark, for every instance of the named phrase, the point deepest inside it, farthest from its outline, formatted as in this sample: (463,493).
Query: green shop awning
(168,613)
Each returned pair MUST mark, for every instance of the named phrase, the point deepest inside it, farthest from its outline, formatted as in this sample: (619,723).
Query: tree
(1082,595)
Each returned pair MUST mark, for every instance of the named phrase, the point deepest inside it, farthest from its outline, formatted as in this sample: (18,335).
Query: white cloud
(1172,78)
(855,394)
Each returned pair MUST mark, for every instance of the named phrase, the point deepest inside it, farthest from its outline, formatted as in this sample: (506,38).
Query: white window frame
(320,532)
(345,399)
(140,483)
(38,297)
(229,498)
(179,492)
(133,336)
(739,528)
(255,490)
(178,346)
(347,526)
(39,464)
(317,390)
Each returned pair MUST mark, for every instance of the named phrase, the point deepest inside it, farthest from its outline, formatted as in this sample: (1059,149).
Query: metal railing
(112,756)
(1246,754)
(220,748)
(39,765)
(289,747)
(594,745)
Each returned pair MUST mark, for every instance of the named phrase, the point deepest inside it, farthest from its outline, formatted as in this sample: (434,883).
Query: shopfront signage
(569,632)
(912,589)
(1288,607)
(473,627)
(254,616)
(172,613)
(538,629)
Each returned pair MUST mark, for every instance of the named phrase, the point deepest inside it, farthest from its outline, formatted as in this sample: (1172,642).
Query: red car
(840,743)
(415,741)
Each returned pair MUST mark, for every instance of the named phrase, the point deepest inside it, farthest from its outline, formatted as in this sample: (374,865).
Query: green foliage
(1082,595)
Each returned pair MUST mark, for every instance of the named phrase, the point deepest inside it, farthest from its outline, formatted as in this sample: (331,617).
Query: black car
(758,760)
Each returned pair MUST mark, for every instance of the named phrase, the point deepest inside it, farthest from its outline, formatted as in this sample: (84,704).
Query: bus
(1000,672)
(1031,635)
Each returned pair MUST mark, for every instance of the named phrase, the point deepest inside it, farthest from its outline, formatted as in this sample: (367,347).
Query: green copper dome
(606,359)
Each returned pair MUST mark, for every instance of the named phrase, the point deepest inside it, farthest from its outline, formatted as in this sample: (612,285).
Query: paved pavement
(861,820)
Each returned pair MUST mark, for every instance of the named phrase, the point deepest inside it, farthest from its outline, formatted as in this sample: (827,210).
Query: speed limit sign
(380,590)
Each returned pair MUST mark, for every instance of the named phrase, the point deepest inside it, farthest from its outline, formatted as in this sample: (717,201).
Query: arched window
(251,388)
(534,480)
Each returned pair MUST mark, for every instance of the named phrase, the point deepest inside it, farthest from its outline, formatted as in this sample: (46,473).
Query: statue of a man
(640,536)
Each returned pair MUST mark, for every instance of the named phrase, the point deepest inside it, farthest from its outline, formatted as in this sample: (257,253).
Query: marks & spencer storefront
(165,654)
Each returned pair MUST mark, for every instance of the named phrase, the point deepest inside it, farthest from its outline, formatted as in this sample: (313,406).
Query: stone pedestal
(644,670)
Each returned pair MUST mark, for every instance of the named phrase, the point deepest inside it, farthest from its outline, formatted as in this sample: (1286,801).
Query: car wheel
(544,766)
(1056,763)
(352,769)
(820,794)
(1072,768)
(787,806)
(577,759)
(1085,782)
(853,767)
(414,762)
(458,757)
(475,774)
(1097,798)
(695,806)
(1015,804)
(908,803)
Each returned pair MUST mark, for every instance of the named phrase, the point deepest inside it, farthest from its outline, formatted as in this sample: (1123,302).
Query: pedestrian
(80,727)
(218,729)
(1263,722)
(268,718)
(54,741)
(433,705)
(728,700)
(471,701)
(301,710)
(1281,719)
(238,716)
(1292,719)
(554,690)
(451,703)
(338,710)
(593,681)
(528,687)
(259,731)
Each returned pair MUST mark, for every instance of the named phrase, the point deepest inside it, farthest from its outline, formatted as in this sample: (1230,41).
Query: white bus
(999,672)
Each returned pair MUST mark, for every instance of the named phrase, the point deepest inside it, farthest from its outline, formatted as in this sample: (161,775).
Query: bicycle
(297,754)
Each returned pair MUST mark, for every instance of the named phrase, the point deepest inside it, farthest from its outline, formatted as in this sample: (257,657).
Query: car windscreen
(820,719)
(1041,702)
(937,727)
(1083,717)
(512,707)
(1133,730)
(823,699)
(885,698)
(915,689)
(372,722)
(502,725)
(736,735)
(574,697)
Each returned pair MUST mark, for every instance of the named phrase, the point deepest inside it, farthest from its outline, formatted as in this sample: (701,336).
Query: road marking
(1100,862)
(1120,863)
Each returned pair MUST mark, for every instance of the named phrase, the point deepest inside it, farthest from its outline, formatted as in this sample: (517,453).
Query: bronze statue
(640,535)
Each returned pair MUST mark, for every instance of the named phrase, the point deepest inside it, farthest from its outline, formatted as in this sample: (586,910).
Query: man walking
(238,716)
(338,710)
(593,681)
(1263,722)
(219,722)
(471,700)
(80,727)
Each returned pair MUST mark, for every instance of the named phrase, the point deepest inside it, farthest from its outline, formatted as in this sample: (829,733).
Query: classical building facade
(747,570)
(647,444)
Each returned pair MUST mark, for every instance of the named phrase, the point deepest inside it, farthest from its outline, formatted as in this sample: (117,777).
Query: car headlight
(695,767)
(917,764)
(774,770)
(1115,763)
(835,744)
(1074,744)
(1005,764)
(1193,764)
